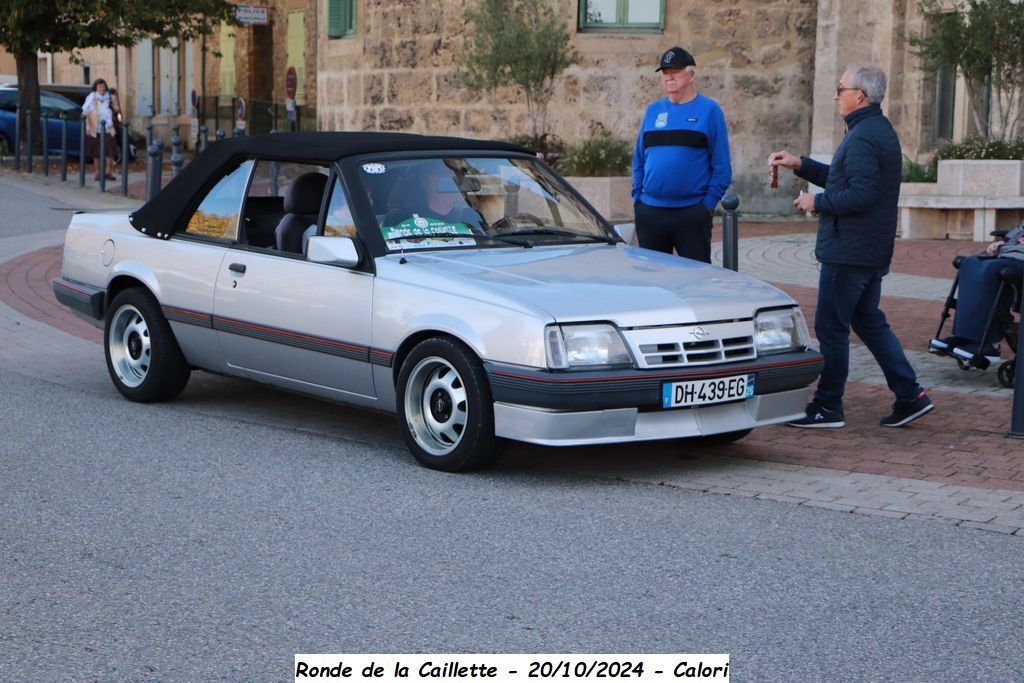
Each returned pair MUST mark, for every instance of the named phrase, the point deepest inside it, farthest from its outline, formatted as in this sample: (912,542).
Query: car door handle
(237,268)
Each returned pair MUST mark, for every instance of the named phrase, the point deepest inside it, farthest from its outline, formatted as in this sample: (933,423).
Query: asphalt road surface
(213,537)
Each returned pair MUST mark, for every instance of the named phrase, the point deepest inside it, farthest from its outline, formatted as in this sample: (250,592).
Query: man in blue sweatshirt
(681,164)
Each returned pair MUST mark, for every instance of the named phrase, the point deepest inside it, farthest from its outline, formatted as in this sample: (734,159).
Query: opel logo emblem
(699,333)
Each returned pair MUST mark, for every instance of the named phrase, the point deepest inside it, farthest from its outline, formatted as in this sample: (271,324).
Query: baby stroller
(1008,277)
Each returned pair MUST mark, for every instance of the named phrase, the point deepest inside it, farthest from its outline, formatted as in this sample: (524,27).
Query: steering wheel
(513,220)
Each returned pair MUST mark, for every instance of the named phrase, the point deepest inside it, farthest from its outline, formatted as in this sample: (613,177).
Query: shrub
(601,155)
(550,147)
(918,173)
(982,148)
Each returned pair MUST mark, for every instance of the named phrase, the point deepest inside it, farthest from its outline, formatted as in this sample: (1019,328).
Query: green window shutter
(335,18)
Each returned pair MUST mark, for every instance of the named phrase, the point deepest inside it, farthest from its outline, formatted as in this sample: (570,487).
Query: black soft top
(161,216)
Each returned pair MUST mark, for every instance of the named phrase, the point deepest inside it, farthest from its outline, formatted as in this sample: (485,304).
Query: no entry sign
(291,82)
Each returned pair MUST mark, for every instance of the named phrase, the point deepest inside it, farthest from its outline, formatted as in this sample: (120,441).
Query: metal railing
(261,116)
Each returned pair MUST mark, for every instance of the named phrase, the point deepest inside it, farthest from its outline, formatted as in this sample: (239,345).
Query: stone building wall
(755,57)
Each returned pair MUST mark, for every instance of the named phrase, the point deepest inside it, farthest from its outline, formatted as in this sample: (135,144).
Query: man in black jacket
(856,233)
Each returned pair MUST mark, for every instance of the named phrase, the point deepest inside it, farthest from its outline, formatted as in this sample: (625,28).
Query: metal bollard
(29,149)
(102,163)
(155,169)
(126,152)
(81,154)
(730,232)
(176,157)
(1017,413)
(220,134)
(46,147)
(204,134)
(64,149)
(17,143)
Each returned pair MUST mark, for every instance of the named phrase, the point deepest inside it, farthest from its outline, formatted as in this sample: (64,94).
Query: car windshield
(474,201)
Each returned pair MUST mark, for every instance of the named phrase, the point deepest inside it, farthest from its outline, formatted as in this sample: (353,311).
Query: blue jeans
(848,296)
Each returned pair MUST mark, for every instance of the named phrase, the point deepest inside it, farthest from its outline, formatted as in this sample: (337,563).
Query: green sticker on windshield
(418,227)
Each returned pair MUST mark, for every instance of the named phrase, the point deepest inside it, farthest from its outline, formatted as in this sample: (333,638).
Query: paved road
(163,543)
(213,537)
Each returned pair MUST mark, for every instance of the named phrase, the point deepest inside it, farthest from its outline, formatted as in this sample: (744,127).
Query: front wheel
(143,357)
(445,408)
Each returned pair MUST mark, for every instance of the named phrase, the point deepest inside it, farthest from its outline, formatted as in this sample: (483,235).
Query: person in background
(681,165)
(98,108)
(979,282)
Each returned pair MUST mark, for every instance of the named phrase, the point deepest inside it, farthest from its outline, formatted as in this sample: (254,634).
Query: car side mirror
(627,231)
(337,251)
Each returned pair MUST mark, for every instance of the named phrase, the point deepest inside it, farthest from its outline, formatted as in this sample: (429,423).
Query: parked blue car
(54,108)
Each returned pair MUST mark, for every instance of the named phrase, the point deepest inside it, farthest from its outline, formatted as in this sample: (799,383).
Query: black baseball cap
(676,58)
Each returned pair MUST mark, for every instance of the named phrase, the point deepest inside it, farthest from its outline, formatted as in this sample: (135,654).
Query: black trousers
(688,230)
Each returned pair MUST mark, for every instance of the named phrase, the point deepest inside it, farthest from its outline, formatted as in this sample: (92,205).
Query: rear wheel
(143,357)
(1006,373)
(445,408)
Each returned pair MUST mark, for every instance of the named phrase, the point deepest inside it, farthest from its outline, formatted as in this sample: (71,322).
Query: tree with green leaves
(522,44)
(984,40)
(31,26)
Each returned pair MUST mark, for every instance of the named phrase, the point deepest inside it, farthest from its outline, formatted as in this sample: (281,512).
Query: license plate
(704,392)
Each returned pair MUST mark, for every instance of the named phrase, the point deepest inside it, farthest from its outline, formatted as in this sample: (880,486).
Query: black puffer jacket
(858,209)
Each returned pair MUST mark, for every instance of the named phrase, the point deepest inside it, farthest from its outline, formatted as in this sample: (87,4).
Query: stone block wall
(755,57)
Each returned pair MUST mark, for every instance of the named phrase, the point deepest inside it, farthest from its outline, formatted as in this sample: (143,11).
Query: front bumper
(574,408)
(577,428)
(632,388)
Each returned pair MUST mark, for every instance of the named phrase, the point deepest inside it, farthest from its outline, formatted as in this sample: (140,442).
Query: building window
(297,50)
(622,14)
(341,18)
(944,104)
(227,59)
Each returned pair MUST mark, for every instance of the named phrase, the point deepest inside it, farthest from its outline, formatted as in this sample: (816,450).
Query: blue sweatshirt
(682,155)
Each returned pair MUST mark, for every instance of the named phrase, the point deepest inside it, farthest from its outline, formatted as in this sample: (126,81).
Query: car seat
(302,202)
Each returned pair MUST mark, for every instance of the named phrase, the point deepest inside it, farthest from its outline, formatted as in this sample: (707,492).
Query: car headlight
(577,346)
(780,331)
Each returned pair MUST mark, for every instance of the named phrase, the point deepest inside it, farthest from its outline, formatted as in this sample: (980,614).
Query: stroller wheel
(1006,372)
(964,364)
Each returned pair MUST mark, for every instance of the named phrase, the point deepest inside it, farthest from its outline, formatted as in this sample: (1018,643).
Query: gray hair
(869,79)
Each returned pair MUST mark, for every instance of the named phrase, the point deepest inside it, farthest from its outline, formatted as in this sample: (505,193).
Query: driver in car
(431,194)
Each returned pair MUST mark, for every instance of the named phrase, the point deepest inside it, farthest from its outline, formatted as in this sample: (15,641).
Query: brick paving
(954,466)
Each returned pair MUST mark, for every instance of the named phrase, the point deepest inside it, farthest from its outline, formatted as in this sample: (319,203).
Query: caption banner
(510,667)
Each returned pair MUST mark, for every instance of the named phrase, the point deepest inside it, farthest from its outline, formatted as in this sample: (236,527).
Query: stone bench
(969,201)
(958,216)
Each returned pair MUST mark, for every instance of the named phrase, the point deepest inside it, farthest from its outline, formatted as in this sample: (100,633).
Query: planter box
(918,189)
(610,196)
(970,199)
(988,178)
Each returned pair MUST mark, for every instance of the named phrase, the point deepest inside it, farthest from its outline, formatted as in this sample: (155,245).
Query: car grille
(689,345)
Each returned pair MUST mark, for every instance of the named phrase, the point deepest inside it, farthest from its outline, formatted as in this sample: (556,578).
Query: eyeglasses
(840,89)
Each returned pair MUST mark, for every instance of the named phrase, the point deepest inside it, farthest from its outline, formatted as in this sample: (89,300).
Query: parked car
(460,284)
(53,108)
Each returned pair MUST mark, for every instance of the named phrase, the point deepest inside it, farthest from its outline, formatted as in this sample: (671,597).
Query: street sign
(253,15)
(291,82)
(240,112)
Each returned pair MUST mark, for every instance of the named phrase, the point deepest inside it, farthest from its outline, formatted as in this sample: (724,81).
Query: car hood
(629,286)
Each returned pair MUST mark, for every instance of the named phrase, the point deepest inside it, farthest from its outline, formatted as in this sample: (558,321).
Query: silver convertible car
(460,284)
